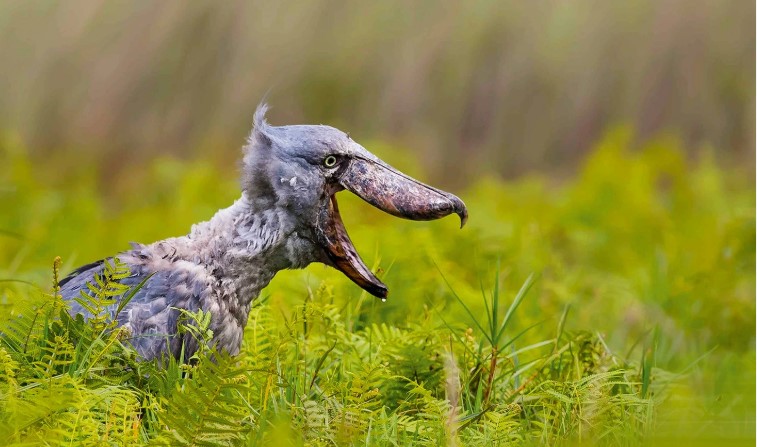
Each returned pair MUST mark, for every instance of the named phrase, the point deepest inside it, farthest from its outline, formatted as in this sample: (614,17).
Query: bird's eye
(329,161)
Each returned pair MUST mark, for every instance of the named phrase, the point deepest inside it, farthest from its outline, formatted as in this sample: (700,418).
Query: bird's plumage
(286,218)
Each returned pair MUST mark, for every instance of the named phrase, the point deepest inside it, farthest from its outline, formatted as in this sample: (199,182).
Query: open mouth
(392,192)
(343,255)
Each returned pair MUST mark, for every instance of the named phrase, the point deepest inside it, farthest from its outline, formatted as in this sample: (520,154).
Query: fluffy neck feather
(244,245)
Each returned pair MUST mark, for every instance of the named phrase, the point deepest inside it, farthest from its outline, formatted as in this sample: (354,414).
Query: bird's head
(301,168)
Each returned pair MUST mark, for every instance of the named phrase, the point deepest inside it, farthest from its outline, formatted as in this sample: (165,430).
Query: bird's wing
(84,273)
(76,283)
(151,314)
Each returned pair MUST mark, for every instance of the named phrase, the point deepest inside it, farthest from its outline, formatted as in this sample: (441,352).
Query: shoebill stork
(286,218)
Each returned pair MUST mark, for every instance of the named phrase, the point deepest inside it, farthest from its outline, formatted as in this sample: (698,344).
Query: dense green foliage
(617,307)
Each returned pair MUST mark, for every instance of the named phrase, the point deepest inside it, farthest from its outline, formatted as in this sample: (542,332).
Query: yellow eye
(329,161)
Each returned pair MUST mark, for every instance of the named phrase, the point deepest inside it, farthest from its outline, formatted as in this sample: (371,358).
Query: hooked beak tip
(459,208)
(463,217)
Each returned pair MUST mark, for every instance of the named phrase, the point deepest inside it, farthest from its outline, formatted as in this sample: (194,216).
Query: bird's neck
(244,245)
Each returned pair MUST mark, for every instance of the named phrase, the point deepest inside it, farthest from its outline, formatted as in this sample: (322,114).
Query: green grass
(614,308)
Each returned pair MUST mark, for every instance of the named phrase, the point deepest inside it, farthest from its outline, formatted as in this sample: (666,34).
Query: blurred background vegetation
(503,87)
(607,146)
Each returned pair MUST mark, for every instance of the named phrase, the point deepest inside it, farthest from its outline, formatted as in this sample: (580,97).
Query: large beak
(398,194)
(391,191)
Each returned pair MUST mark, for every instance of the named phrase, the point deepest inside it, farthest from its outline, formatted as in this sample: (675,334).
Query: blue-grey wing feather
(150,315)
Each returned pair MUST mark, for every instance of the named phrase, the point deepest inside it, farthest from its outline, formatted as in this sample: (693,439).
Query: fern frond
(207,409)
(100,298)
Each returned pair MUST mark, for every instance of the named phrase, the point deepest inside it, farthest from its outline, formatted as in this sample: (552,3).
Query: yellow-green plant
(639,318)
